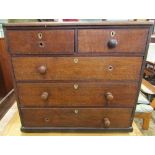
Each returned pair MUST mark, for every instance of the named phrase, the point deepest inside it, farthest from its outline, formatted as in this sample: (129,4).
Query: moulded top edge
(50,24)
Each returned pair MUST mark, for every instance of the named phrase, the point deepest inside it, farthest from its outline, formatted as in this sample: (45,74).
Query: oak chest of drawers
(77,76)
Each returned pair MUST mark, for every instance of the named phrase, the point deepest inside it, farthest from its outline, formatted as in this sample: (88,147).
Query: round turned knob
(42,69)
(106,122)
(109,96)
(112,43)
(44,96)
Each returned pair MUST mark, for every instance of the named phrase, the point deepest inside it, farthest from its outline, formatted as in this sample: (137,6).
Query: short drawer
(77,68)
(40,41)
(112,40)
(79,117)
(72,94)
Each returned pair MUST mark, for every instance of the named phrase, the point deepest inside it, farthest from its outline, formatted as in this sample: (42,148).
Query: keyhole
(47,120)
(110,68)
(41,44)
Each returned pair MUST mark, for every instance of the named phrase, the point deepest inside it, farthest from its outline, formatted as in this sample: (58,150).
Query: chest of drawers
(77,76)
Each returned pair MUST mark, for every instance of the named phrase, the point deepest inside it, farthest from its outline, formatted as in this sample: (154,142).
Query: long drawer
(112,40)
(79,117)
(41,41)
(77,68)
(77,94)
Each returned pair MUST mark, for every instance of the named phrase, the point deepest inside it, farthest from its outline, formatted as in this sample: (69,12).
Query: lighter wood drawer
(41,41)
(112,40)
(79,117)
(77,68)
(77,94)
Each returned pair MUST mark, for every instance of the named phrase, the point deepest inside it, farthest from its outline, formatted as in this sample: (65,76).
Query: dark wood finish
(2,86)
(5,68)
(86,94)
(45,25)
(131,40)
(41,41)
(74,130)
(6,82)
(6,102)
(89,83)
(84,117)
(86,68)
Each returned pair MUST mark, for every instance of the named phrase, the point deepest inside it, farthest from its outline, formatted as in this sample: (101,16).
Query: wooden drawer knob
(109,96)
(112,43)
(106,122)
(42,69)
(44,96)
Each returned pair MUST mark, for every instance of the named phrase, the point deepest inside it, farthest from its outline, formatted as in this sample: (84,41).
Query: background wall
(151,53)
(1,30)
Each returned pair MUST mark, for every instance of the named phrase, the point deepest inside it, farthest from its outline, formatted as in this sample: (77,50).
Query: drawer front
(112,40)
(71,117)
(41,41)
(79,68)
(77,94)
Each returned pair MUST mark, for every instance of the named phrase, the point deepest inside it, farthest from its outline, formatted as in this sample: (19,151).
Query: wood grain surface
(96,40)
(87,68)
(10,126)
(66,117)
(41,41)
(87,94)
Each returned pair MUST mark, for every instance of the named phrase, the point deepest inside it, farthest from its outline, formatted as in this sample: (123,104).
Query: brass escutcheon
(76,111)
(76,86)
(113,33)
(76,60)
(40,35)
